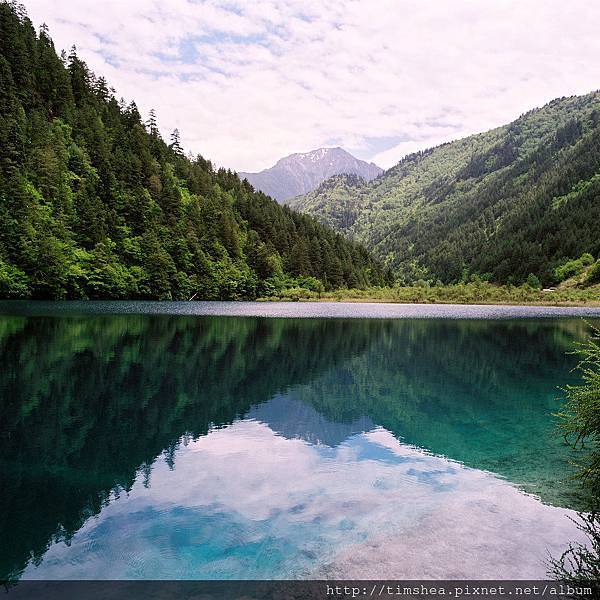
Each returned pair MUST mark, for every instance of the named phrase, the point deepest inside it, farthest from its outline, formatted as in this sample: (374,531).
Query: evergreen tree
(175,144)
(94,204)
(151,123)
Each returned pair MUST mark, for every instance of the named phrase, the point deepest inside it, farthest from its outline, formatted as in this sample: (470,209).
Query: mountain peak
(302,172)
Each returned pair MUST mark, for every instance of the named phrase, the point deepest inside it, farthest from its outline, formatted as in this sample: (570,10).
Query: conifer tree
(94,204)
(175,144)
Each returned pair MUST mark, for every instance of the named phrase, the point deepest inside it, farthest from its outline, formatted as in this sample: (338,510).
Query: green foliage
(13,282)
(294,288)
(509,202)
(572,268)
(580,188)
(311,284)
(580,422)
(580,417)
(533,281)
(333,201)
(579,565)
(474,292)
(94,204)
(593,275)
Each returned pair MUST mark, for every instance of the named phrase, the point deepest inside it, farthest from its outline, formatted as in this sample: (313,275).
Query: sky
(250,81)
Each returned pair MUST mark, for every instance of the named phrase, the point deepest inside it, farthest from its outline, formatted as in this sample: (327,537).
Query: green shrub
(593,275)
(13,282)
(581,414)
(310,283)
(580,564)
(572,268)
(533,282)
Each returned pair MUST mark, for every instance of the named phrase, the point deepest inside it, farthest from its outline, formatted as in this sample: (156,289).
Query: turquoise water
(140,442)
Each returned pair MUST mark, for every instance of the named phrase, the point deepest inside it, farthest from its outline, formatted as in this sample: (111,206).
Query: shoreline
(324,300)
(473,293)
(323,309)
(541,304)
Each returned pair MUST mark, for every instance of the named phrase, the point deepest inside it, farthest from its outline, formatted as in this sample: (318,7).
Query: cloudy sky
(250,81)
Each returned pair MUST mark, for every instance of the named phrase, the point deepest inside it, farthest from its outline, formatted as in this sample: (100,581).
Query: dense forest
(95,204)
(518,202)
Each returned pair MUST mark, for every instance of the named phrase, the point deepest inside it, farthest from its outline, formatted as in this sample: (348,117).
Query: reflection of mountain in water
(293,419)
(482,393)
(86,403)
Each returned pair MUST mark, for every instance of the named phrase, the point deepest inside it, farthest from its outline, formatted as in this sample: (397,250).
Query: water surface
(139,444)
(298,310)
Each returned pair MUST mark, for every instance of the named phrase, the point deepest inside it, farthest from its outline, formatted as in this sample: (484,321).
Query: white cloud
(249,82)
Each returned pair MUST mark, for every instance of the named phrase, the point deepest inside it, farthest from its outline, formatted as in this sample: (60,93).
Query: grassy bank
(468,293)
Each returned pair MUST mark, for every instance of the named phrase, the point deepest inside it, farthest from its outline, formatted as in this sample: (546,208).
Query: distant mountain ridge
(520,199)
(300,173)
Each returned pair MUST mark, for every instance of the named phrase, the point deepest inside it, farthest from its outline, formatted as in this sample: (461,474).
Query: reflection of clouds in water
(244,502)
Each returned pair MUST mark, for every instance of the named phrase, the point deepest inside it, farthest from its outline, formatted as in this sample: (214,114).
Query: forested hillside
(518,200)
(94,204)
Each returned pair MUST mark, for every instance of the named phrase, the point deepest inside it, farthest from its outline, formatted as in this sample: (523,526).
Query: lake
(146,440)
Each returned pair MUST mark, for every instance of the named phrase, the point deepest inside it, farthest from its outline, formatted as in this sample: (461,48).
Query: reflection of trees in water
(479,392)
(86,403)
